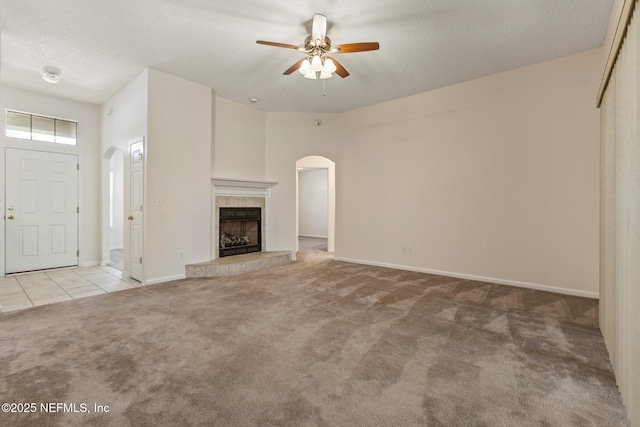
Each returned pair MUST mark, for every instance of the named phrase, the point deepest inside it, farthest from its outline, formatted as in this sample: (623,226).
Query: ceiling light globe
(329,66)
(316,63)
(311,75)
(325,75)
(305,67)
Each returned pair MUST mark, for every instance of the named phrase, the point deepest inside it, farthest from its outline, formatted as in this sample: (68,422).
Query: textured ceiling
(100,45)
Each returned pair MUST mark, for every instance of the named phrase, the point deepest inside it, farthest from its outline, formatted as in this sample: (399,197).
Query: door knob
(130,218)
(10,217)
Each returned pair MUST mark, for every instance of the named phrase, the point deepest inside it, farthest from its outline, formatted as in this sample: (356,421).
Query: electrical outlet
(180,255)
(409,249)
(404,249)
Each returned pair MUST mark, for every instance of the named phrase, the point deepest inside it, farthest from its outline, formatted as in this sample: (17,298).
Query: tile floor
(26,290)
(306,243)
(117,259)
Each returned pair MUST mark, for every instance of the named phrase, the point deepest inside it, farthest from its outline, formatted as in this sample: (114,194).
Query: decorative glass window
(40,128)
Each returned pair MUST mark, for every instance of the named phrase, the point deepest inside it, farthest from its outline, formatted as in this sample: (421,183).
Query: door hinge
(140,208)
(77,210)
(140,260)
(77,253)
(77,166)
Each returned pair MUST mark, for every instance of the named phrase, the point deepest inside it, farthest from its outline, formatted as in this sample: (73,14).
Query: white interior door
(41,218)
(136,153)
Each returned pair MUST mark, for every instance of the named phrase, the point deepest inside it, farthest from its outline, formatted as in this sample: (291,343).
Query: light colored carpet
(313,343)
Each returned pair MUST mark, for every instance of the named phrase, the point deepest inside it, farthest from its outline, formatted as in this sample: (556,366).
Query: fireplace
(240,231)
(235,193)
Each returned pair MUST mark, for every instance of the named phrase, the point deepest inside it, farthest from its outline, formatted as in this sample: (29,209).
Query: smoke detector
(51,75)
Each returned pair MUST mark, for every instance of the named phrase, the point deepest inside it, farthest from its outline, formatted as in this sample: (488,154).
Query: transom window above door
(40,128)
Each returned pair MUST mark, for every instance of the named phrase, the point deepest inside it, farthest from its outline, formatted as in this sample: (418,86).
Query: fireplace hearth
(240,231)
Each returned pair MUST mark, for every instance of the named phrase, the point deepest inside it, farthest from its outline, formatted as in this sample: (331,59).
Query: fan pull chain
(324,87)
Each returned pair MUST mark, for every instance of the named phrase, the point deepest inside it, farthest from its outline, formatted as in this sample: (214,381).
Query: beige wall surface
(88,118)
(178,180)
(238,141)
(290,137)
(494,179)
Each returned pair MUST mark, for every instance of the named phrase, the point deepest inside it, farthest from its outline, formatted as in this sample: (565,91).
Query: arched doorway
(113,207)
(316,201)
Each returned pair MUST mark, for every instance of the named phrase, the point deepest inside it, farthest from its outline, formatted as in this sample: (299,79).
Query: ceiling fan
(317,46)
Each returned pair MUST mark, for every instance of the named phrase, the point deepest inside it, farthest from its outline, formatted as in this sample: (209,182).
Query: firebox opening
(240,231)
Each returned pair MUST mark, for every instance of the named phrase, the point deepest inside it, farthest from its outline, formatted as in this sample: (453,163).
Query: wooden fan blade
(284,45)
(294,67)
(357,47)
(340,70)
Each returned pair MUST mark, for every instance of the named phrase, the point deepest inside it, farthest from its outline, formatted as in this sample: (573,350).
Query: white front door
(136,154)
(41,218)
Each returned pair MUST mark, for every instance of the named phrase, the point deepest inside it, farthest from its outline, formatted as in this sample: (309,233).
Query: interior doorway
(122,200)
(315,204)
(116,211)
(113,208)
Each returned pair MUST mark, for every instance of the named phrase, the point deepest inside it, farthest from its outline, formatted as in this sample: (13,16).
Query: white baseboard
(165,279)
(104,262)
(313,236)
(558,290)
(114,248)
(89,263)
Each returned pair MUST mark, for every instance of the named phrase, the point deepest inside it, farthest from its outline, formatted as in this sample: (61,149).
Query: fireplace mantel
(242,188)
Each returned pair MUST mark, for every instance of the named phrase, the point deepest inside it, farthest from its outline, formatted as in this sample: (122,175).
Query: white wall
(124,115)
(497,178)
(238,141)
(178,180)
(88,118)
(175,117)
(313,203)
(124,118)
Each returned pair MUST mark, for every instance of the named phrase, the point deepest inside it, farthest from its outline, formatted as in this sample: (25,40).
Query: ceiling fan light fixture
(305,67)
(316,63)
(317,46)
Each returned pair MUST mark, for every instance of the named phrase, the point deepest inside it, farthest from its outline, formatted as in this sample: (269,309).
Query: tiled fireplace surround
(233,193)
